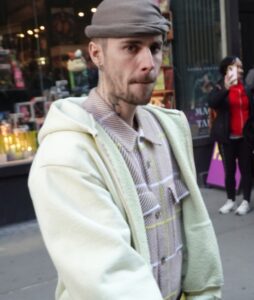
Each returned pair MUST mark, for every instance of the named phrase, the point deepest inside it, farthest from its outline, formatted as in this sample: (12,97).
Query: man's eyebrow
(140,42)
(131,41)
(160,43)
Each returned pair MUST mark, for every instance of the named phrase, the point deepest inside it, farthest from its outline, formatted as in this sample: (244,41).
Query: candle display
(17,143)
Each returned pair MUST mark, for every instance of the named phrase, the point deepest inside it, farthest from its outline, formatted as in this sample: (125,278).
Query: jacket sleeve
(210,294)
(217,97)
(87,237)
(203,276)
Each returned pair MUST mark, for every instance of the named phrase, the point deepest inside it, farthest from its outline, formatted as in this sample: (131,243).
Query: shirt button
(140,140)
(163,260)
(157,214)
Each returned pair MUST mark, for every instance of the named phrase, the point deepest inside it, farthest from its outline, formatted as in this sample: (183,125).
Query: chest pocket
(177,191)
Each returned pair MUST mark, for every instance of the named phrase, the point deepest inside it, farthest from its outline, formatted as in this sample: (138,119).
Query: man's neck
(124,110)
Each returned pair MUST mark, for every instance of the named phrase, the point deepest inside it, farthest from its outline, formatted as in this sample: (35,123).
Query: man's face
(130,68)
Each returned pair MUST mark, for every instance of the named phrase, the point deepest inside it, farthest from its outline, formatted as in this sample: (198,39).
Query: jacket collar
(125,135)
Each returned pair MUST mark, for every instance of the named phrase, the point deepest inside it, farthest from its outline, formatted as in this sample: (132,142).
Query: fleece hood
(68,115)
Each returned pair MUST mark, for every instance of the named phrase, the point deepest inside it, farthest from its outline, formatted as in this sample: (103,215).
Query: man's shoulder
(166,115)
(166,111)
(173,121)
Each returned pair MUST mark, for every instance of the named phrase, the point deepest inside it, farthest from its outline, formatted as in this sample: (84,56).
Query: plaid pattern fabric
(158,183)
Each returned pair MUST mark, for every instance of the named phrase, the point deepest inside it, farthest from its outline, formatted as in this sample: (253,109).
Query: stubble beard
(128,96)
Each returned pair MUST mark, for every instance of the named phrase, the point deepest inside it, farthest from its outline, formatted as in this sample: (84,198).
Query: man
(113,182)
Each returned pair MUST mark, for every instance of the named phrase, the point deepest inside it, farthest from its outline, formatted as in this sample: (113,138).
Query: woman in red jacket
(233,107)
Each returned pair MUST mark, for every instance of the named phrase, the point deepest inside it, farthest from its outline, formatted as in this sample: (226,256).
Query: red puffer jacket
(239,109)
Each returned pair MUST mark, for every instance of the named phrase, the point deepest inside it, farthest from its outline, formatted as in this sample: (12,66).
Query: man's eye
(132,48)
(155,49)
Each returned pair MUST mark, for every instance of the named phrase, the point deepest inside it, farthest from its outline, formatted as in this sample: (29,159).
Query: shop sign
(216,175)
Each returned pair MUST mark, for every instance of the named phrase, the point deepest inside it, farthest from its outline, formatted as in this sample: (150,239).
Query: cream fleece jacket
(90,216)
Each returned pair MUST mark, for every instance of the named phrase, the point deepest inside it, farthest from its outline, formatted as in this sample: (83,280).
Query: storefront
(204,33)
(43,57)
(198,47)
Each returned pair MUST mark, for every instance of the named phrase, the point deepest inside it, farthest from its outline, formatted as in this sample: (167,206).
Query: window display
(44,57)
(10,73)
(16,143)
(164,92)
(198,51)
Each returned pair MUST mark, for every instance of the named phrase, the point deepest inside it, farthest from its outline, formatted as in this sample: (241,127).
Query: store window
(197,52)
(43,57)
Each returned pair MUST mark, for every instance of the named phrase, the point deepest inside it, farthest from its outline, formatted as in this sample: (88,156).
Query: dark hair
(227,61)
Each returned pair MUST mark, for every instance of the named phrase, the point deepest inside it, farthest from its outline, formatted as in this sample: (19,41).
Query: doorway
(246,19)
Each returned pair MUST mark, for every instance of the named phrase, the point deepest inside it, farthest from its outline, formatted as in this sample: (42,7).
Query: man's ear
(96,53)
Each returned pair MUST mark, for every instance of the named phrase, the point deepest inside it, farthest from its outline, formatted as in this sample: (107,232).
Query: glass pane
(197,53)
(43,57)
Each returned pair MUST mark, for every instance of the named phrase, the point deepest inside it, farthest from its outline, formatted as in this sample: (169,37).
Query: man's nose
(147,60)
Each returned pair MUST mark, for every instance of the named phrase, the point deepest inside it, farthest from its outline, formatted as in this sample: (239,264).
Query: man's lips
(143,82)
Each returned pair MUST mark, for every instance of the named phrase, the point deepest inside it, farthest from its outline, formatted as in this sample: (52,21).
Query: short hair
(227,61)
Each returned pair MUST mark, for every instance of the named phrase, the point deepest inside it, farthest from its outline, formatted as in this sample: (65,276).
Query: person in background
(114,183)
(233,108)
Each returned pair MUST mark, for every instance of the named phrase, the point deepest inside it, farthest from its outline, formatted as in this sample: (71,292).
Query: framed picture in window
(39,107)
(26,110)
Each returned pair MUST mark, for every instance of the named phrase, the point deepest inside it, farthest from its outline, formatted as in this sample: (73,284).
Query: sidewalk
(26,272)
(236,241)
